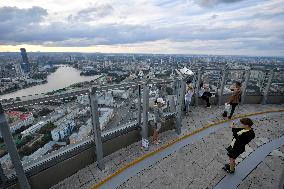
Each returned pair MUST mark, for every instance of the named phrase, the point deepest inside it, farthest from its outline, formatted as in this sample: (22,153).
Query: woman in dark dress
(241,137)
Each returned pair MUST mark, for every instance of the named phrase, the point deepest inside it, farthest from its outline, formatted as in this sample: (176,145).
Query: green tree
(47,128)
(46,138)
(25,151)
(44,112)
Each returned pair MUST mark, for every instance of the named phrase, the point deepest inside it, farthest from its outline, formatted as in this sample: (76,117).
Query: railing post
(224,75)
(183,91)
(96,127)
(172,104)
(3,178)
(179,106)
(139,105)
(197,86)
(144,132)
(247,74)
(12,150)
(266,91)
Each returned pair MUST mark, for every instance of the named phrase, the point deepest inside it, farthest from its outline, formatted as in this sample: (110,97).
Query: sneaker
(208,107)
(226,166)
(156,142)
(227,169)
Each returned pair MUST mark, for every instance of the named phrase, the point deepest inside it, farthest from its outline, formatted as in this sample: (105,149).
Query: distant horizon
(137,53)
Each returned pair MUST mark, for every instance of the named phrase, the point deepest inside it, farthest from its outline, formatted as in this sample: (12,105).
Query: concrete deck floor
(197,165)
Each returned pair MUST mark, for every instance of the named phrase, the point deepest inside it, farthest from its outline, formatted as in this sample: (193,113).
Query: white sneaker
(156,142)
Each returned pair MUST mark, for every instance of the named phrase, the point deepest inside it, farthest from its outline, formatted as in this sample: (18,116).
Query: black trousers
(234,105)
(206,96)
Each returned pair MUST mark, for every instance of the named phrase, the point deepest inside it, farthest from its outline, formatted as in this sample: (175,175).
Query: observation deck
(195,158)
(192,151)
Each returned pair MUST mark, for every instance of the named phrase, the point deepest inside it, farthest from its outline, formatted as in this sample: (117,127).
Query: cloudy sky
(241,27)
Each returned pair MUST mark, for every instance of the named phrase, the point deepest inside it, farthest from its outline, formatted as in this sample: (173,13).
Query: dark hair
(239,84)
(246,121)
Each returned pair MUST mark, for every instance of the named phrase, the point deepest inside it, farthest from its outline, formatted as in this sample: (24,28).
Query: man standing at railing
(234,100)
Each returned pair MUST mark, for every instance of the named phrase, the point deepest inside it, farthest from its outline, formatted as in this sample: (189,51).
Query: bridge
(191,153)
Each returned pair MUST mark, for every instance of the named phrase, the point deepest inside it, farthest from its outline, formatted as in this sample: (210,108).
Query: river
(64,76)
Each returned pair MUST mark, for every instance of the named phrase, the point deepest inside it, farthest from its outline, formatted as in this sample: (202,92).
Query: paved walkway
(197,165)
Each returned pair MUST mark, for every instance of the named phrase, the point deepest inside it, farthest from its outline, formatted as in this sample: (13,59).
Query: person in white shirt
(187,98)
(158,119)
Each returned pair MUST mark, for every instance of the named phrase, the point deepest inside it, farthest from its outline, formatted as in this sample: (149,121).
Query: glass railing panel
(46,125)
(213,79)
(277,84)
(257,82)
(232,77)
(118,106)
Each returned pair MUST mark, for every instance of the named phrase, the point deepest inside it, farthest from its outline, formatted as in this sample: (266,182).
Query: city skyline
(220,27)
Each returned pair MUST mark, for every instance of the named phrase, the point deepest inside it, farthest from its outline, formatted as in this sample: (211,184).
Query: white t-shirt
(188,95)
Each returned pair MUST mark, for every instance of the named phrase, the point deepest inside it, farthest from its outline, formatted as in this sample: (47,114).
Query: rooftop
(195,158)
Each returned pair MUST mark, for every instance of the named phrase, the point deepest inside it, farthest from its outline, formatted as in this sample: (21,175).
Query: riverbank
(63,77)
(17,87)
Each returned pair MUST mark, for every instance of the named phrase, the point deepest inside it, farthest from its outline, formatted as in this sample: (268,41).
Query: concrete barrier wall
(279,99)
(252,99)
(49,177)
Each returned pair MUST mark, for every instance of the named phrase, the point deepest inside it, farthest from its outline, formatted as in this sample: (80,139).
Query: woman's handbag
(227,109)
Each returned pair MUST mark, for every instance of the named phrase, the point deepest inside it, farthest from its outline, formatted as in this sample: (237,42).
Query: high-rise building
(25,66)
(24,55)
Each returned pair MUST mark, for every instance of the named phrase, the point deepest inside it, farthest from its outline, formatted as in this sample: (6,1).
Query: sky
(222,27)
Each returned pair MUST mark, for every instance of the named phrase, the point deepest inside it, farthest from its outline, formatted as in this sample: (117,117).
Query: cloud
(214,16)
(182,23)
(14,14)
(96,11)
(14,20)
(208,3)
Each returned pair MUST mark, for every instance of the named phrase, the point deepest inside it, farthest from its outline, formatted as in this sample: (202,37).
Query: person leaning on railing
(242,135)
(158,118)
(187,98)
(234,100)
(205,94)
